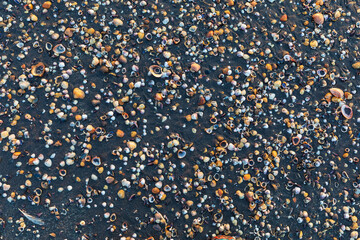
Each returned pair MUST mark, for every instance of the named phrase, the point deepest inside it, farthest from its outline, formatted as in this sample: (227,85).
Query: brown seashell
(346,111)
(195,67)
(155,70)
(249,196)
(123,59)
(201,101)
(318,18)
(104,69)
(337,92)
(356,65)
(69,32)
(38,69)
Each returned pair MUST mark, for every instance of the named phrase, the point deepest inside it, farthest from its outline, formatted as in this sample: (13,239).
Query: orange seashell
(38,69)
(346,111)
(195,67)
(247,177)
(159,97)
(337,92)
(155,190)
(295,140)
(284,18)
(318,18)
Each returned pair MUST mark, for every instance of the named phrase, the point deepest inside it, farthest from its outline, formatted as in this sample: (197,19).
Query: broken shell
(218,217)
(38,69)
(195,67)
(181,153)
(346,111)
(337,92)
(318,18)
(96,161)
(155,70)
(59,49)
(356,65)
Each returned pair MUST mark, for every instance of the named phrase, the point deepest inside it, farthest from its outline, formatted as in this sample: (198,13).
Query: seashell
(322,72)
(346,111)
(318,18)
(48,46)
(195,67)
(96,161)
(59,49)
(156,71)
(181,154)
(78,93)
(218,217)
(95,62)
(38,69)
(356,65)
(46,5)
(249,196)
(295,140)
(121,194)
(167,54)
(337,92)
(117,22)
(131,144)
(62,172)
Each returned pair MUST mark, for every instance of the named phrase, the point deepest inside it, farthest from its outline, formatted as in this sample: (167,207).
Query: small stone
(33,18)
(195,67)
(4,134)
(284,18)
(78,93)
(6,187)
(120,133)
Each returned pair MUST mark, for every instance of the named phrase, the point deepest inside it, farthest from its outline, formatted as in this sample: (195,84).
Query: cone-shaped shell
(337,92)
(346,111)
(155,70)
(38,69)
(318,18)
(195,67)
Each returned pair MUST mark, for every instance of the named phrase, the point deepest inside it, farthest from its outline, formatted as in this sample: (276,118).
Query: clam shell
(155,70)
(48,46)
(318,18)
(346,111)
(181,154)
(337,92)
(38,69)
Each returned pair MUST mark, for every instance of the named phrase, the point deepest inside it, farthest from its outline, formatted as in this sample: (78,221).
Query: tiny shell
(195,67)
(131,144)
(96,161)
(346,111)
(181,154)
(38,69)
(356,65)
(337,92)
(78,93)
(59,49)
(318,18)
(155,70)
(117,22)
